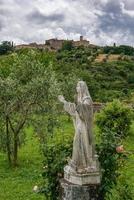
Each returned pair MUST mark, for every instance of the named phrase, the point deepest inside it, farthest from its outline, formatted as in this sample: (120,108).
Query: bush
(57,150)
(113,124)
(131,79)
(67,45)
(122,191)
(115,117)
(109,161)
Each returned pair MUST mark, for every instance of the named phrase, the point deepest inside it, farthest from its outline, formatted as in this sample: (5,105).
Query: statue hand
(61,98)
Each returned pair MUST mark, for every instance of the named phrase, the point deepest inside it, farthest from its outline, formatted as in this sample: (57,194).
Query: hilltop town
(56,44)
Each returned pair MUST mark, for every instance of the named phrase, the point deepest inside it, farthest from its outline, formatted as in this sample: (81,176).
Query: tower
(81,38)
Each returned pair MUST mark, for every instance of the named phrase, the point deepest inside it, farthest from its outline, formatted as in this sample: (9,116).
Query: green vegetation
(122,49)
(113,124)
(18,183)
(23,92)
(115,117)
(67,45)
(6,47)
(124,188)
(26,74)
(105,80)
(57,151)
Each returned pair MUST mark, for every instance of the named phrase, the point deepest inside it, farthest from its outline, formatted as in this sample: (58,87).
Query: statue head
(82,91)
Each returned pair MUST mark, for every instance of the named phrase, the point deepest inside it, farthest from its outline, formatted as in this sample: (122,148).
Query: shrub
(113,124)
(67,45)
(115,117)
(131,79)
(122,191)
(57,150)
(109,161)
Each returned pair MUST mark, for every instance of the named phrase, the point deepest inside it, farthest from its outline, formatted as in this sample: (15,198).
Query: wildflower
(35,189)
(120,149)
(45,167)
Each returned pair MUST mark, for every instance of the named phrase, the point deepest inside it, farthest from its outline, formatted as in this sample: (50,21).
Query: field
(111,58)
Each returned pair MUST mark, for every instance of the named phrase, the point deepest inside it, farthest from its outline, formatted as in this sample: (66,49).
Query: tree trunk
(8,142)
(15,151)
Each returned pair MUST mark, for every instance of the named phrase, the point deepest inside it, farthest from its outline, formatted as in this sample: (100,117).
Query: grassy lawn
(17,184)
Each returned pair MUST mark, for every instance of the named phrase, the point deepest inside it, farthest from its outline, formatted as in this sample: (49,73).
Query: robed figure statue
(83,155)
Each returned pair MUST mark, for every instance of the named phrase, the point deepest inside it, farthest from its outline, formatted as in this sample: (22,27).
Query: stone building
(81,42)
(31,45)
(56,44)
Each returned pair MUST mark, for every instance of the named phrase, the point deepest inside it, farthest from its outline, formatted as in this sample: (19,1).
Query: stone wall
(55,43)
(84,43)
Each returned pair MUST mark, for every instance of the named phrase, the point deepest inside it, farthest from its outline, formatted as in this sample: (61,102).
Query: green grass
(17,184)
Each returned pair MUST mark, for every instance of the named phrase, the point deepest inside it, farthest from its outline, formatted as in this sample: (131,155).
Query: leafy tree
(6,47)
(27,90)
(126,50)
(67,45)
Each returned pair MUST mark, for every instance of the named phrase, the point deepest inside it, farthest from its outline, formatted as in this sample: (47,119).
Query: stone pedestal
(88,178)
(78,192)
(81,184)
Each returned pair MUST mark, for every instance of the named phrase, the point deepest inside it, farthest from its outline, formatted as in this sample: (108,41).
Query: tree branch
(11,126)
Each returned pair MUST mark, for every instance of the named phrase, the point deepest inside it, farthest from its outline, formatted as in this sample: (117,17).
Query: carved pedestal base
(78,192)
(92,178)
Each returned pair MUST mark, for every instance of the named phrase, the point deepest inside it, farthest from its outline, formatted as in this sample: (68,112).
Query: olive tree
(29,88)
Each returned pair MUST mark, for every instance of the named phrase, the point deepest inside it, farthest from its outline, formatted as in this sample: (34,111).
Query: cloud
(116,23)
(128,11)
(102,22)
(1,25)
(40,18)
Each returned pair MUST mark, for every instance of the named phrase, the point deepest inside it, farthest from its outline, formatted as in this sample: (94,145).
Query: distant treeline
(122,49)
(6,47)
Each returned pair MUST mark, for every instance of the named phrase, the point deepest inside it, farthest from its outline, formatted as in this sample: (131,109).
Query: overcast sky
(100,21)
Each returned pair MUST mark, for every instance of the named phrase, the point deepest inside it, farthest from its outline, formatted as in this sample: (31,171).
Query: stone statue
(83,171)
(84,159)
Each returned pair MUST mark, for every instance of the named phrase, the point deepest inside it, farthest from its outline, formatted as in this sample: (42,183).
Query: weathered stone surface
(87,178)
(77,192)
(82,175)
(84,158)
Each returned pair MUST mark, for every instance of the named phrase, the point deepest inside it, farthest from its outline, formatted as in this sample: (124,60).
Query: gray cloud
(1,2)
(114,21)
(39,18)
(1,25)
(112,7)
(102,22)
(129,5)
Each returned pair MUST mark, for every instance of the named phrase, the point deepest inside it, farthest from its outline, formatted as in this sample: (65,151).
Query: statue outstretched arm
(68,107)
